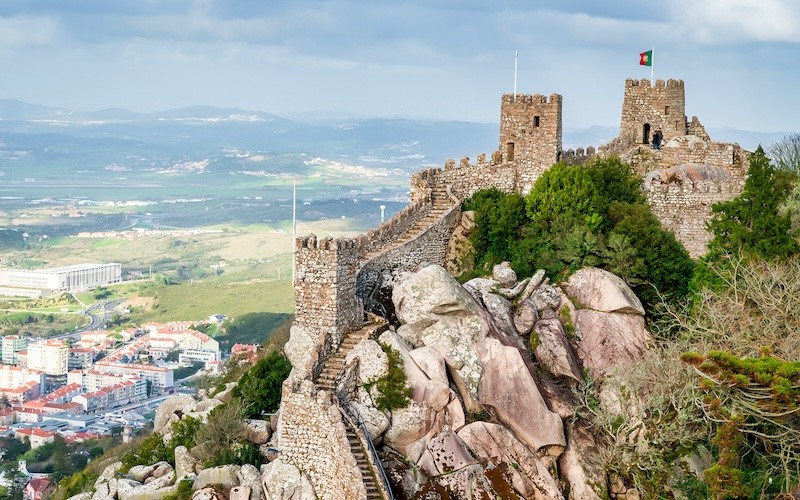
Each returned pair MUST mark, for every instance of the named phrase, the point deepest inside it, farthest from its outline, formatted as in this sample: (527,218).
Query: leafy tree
(259,389)
(499,219)
(562,192)
(752,223)
(11,448)
(580,216)
(658,266)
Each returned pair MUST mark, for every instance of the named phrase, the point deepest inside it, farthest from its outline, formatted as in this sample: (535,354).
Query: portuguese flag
(646,58)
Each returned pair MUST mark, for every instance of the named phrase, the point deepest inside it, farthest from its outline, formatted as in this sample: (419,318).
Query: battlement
(659,84)
(578,156)
(531,99)
(311,242)
(324,290)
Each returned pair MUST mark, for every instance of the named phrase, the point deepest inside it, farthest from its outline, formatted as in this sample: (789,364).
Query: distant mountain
(410,142)
(12,109)
(747,139)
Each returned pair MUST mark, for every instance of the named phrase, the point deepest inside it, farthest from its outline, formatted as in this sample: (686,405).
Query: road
(99,313)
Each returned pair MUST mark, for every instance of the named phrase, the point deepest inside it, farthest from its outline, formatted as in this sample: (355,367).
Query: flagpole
(294,227)
(516,55)
(653,65)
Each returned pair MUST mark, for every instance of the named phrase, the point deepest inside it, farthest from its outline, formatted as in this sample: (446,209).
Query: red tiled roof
(40,484)
(35,431)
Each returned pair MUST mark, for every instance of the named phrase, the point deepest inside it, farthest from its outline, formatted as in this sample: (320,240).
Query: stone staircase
(331,370)
(334,365)
(441,204)
(367,473)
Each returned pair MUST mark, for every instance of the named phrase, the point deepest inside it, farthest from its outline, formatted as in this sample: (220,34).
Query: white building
(50,356)
(75,277)
(11,345)
(122,393)
(160,378)
(191,356)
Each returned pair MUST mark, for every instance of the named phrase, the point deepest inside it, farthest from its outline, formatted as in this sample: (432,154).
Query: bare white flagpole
(516,56)
(294,226)
(653,65)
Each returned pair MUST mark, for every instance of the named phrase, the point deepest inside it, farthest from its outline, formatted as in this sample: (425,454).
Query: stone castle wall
(325,290)
(660,105)
(688,149)
(530,134)
(312,437)
(684,207)
(394,228)
(430,246)
(467,178)
(336,277)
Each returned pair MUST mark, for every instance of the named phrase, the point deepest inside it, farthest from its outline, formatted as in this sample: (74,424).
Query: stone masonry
(530,134)
(335,276)
(646,107)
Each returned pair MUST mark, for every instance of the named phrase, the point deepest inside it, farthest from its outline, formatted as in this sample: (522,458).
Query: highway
(99,313)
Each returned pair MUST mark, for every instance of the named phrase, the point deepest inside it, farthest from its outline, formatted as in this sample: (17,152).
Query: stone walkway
(331,371)
(442,204)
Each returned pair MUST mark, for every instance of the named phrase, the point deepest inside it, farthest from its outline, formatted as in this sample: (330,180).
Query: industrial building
(66,278)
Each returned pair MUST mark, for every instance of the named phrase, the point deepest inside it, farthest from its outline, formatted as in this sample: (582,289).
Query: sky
(422,59)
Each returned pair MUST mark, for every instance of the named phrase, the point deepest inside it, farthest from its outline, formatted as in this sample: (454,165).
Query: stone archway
(646,133)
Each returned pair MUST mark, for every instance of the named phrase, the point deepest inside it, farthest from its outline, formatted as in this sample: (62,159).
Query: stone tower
(530,134)
(646,107)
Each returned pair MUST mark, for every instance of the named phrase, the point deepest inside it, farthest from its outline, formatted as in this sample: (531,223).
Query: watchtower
(646,107)
(530,133)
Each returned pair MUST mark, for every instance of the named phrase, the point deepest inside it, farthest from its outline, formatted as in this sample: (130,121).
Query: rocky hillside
(491,368)
(492,365)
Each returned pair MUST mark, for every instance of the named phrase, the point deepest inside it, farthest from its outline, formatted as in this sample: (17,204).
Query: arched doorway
(646,134)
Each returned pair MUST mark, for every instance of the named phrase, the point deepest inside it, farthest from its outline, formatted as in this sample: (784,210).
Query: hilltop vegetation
(579,216)
(723,380)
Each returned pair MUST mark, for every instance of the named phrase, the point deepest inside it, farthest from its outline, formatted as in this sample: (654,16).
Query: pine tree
(751,223)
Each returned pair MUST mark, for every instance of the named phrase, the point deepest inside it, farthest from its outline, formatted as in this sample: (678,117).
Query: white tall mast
(516,56)
(294,227)
(653,65)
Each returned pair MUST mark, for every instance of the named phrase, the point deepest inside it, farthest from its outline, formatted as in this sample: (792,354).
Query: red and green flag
(646,58)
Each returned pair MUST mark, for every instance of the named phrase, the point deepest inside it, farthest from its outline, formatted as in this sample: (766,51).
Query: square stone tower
(325,288)
(530,134)
(646,107)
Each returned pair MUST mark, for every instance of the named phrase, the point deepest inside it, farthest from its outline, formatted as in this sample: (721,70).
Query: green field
(187,302)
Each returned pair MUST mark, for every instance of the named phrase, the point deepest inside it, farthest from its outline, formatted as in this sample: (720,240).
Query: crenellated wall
(325,289)
(336,278)
(394,228)
(646,107)
(688,149)
(683,205)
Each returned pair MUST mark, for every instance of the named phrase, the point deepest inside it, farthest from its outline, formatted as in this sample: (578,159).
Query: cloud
(738,21)
(19,31)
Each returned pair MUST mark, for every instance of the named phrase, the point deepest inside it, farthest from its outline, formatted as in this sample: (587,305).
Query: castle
(338,279)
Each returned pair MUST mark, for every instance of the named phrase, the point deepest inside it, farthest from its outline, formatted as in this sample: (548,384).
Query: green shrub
(563,192)
(77,483)
(153,449)
(184,491)
(393,392)
(259,389)
(243,453)
(499,219)
(659,264)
